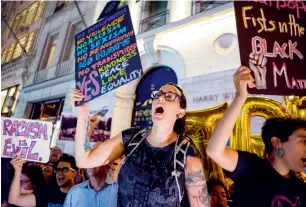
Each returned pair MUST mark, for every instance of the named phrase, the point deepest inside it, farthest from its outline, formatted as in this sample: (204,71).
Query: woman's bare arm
(225,157)
(15,197)
(105,153)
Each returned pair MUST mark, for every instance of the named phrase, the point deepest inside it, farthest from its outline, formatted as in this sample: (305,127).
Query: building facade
(191,43)
(20,27)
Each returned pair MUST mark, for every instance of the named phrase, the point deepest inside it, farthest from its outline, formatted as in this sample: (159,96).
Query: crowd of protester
(57,183)
(147,171)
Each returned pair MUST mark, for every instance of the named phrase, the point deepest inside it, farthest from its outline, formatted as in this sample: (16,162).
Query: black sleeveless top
(145,179)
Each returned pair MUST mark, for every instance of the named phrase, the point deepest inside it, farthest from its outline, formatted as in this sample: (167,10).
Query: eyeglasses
(24,182)
(63,170)
(169,96)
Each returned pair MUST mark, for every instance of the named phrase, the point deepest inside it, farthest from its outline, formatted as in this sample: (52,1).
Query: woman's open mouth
(159,110)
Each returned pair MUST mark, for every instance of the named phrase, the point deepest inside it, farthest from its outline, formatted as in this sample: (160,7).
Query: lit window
(30,41)
(53,43)
(40,10)
(4,54)
(47,110)
(3,96)
(31,14)
(23,15)
(9,96)
(10,52)
(18,50)
(16,22)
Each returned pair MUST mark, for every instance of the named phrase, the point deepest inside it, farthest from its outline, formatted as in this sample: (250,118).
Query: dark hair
(213,182)
(66,155)
(282,128)
(180,124)
(70,159)
(35,175)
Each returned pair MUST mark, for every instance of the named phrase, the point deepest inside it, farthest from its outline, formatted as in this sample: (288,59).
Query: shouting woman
(161,165)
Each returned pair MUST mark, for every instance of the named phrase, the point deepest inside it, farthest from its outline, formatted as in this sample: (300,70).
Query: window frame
(43,103)
(144,18)
(193,6)
(47,50)
(9,113)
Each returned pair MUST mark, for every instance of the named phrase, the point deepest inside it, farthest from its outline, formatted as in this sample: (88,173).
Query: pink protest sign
(28,138)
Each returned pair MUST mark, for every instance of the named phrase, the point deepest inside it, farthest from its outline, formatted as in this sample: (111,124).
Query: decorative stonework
(49,83)
(151,50)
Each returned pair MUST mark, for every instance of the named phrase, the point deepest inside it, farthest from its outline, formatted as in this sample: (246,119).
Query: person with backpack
(161,166)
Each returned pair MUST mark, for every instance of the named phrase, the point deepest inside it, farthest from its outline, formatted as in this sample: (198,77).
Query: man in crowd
(96,191)
(93,192)
(55,154)
(65,171)
(217,191)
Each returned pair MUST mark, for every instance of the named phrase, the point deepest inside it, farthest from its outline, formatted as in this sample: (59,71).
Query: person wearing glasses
(161,165)
(65,172)
(28,187)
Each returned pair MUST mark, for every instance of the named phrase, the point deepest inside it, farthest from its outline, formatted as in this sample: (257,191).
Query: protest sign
(272,44)
(106,55)
(99,126)
(28,138)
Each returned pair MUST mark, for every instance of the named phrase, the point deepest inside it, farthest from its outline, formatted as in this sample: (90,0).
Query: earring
(177,116)
(279,152)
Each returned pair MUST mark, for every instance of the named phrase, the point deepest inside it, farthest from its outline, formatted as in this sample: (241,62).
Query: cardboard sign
(272,44)
(28,138)
(107,56)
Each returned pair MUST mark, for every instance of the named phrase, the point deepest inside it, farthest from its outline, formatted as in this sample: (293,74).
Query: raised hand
(242,80)
(258,64)
(17,163)
(77,95)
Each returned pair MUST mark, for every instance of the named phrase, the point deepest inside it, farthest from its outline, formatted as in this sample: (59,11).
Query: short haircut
(70,159)
(213,182)
(282,128)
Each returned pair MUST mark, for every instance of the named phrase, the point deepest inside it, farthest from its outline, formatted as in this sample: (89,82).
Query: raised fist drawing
(258,64)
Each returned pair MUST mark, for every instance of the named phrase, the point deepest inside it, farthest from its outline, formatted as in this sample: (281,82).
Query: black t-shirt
(258,184)
(41,196)
(56,197)
(145,178)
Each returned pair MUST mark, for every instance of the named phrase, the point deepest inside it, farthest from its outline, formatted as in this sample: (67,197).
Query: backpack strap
(180,155)
(135,142)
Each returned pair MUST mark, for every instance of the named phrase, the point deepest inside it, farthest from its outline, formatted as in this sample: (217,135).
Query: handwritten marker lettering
(28,138)
(106,55)
(271,36)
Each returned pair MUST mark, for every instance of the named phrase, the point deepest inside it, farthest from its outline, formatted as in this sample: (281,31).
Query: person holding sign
(262,182)
(161,167)
(28,187)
